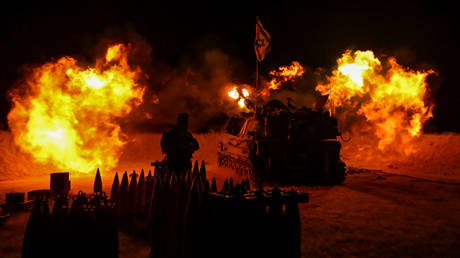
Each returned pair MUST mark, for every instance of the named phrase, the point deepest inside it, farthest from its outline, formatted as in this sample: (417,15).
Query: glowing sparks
(65,114)
(390,97)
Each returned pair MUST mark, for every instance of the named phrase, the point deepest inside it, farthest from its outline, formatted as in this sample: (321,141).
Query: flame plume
(65,114)
(280,76)
(284,74)
(389,96)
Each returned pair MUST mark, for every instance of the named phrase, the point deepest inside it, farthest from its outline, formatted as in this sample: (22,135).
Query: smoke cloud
(199,89)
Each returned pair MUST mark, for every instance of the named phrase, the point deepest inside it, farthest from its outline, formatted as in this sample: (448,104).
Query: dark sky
(420,35)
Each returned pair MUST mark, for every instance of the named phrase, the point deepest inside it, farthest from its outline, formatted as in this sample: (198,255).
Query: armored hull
(283,145)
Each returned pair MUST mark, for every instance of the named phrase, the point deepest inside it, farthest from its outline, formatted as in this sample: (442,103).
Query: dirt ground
(411,210)
(385,215)
(371,214)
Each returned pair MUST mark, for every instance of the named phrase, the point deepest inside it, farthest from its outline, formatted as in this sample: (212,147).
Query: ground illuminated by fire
(370,207)
(436,159)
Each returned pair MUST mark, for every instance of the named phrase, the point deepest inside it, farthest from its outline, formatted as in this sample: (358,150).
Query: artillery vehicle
(283,145)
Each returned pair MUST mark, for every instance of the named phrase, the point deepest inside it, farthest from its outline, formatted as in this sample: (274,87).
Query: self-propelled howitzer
(284,145)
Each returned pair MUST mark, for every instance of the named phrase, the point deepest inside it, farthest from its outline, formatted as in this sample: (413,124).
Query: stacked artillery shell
(230,185)
(97,188)
(206,187)
(132,203)
(292,227)
(257,218)
(82,222)
(88,228)
(165,215)
(188,178)
(225,188)
(141,194)
(106,237)
(156,247)
(59,227)
(94,219)
(275,221)
(148,191)
(35,243)
(248,186)
(115,193)
(123,206)
(203,171)
(274,234)
(196,170)
(174,212)
(192,230)
(182,192)
(213,185)
(190,218)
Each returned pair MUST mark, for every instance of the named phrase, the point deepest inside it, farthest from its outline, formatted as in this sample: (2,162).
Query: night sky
(421,35)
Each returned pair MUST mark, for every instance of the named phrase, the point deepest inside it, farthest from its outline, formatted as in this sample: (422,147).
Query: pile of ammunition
(185,214)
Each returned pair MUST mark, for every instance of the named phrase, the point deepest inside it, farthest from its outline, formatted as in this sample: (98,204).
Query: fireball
(390,97)
(66,114)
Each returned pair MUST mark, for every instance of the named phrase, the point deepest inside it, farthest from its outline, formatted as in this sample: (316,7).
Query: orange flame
(66,114)
(390,97)
(284,74)
(239,94)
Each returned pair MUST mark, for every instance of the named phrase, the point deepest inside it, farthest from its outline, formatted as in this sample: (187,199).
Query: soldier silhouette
(178,144)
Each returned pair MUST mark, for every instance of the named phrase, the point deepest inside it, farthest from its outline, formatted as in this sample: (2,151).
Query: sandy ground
(371,214)
(411,209)
(435,157)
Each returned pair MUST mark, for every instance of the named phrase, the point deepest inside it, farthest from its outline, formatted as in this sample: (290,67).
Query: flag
(262,43)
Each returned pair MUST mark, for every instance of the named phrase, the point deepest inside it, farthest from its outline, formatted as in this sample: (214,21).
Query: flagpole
(257,74)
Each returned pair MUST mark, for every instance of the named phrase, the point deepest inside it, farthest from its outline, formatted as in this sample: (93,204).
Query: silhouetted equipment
(33,195)
(14,200)
(192,219)
(188,218)
(283,145)
(59,183)
(37,235)
(87,229)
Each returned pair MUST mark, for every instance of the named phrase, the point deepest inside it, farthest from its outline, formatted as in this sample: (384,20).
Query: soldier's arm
(193,142)
(197,146)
